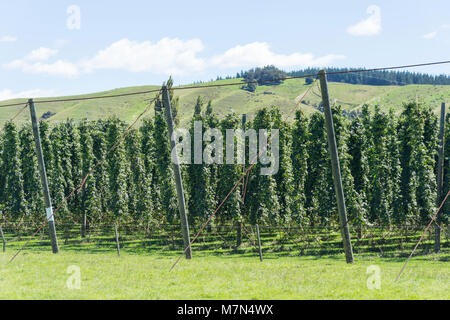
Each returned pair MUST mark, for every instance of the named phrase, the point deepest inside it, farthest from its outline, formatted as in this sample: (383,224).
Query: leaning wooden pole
(43,174)
(335,167)
(440,180)
(3,239)
(116,232)
(177,173)
(259,243)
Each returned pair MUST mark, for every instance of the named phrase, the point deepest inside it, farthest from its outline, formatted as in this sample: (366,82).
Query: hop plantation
(388,165)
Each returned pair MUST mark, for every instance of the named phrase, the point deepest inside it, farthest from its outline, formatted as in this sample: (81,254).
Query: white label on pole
(49,212)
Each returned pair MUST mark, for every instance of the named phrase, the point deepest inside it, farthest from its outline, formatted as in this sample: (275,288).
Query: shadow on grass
(314,246)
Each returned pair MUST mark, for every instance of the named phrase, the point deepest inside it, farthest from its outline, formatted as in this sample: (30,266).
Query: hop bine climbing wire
(79,187)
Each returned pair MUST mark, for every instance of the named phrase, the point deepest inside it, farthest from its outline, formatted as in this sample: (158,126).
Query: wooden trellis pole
(3,239)
(440,180)
(43,174)
(335,168)
(177,173)
(117,239)
(259,243)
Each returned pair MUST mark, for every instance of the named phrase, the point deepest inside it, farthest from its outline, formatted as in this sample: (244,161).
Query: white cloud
(7,94)
(41,54)
(167,56)
(8,39)
(59,68)
(34,63)
(258,54)
(433,34)
(369,26)
(430,35)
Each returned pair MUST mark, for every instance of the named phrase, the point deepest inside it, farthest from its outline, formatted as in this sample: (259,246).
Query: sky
(54,48)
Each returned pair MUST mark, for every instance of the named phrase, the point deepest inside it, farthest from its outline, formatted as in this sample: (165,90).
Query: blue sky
(48,49)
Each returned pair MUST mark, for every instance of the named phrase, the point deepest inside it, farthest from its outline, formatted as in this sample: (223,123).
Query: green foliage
(138,181)
(227,175)
(117,171)
(268,75)
(299,159)
(90,197)
(317,187)
(376,78)
(445,211)
(417,182)
(200,176)
(387,165)
(12,184)
(31,180)
(262,197)
(358,162)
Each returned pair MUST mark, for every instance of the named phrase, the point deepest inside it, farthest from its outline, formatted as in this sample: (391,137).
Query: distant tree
(376,78)
(269,75)
(250,87)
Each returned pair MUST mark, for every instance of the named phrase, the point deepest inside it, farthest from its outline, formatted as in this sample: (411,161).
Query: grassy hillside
(232,98)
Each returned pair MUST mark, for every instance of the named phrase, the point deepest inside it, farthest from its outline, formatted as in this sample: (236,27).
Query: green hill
(232,98)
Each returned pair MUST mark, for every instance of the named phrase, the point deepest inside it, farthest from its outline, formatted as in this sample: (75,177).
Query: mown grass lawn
(42,275)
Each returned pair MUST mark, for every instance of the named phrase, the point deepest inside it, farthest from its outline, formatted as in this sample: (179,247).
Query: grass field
(297,265)
(42,275)
(232,98)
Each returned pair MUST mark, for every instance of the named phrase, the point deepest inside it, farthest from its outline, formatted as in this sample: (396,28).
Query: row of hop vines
(388,164)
